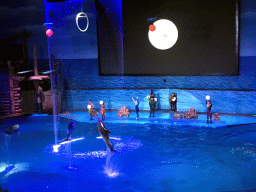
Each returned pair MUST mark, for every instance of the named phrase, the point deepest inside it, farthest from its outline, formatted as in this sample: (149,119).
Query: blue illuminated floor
(151,156)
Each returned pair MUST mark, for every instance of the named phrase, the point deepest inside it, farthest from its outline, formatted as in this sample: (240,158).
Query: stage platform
(226,120)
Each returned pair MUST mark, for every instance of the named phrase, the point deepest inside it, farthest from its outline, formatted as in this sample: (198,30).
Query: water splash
(8,170)
(110,172)
(91,154)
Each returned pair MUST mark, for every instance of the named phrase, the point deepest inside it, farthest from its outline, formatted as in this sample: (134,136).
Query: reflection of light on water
(113,138)
(110,173)
(69,141)
(92,154)
(13,168)
(3,166)
(71,167)
(56,147)
(121,145)
(127,144)
(248,144)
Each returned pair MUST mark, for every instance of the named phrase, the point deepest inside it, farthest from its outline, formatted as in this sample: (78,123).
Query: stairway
(5,96)
(15,96)
(9,93)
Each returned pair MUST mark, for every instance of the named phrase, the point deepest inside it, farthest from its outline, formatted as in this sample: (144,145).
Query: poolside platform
(226,120)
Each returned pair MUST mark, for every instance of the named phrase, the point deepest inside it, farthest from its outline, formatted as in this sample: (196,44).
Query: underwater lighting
(56,147)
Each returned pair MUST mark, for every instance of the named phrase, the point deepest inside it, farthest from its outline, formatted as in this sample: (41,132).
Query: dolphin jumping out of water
(71,127)
(104,133)
(12,129)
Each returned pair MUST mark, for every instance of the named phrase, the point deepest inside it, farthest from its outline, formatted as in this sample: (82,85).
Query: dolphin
(12,129)
(104,133)
(71,127)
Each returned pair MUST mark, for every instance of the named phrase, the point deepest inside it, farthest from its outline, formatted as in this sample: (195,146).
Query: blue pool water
(149,157)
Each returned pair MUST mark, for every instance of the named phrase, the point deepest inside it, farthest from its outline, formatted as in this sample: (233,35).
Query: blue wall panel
(81,74)
(230,94)
(240,102)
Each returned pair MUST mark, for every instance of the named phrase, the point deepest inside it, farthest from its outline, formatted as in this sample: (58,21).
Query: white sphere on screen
(148,97)
(101,102)
(89,106)
(208,97)
(165,34)
(155,99)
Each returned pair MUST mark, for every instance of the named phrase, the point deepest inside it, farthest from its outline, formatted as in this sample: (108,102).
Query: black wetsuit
(209,111)
(152,105)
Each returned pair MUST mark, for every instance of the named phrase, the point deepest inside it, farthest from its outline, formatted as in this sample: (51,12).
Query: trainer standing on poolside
(136,102)
(209,109)
(152,104)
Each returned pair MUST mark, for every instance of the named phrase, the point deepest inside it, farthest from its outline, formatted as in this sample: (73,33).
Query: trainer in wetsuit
(152,104)
(209,111)
(136,102)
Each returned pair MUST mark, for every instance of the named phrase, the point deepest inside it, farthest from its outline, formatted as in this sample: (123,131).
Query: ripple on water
(120,144)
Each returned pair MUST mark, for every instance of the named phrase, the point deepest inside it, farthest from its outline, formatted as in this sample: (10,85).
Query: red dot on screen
(152,27)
